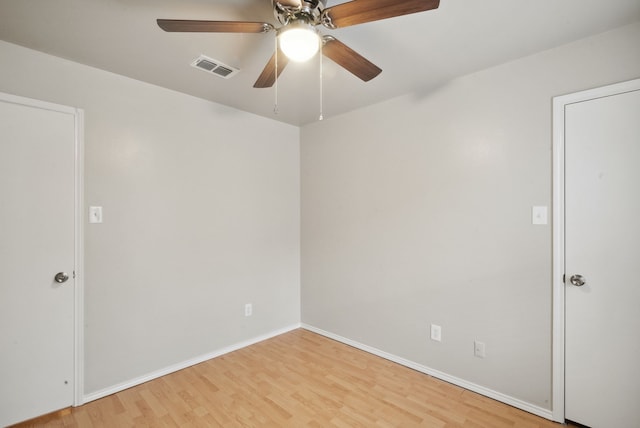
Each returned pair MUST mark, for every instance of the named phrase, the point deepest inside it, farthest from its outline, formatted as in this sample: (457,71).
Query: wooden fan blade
(361,11)
(268,76)
(349,59)
(188,26)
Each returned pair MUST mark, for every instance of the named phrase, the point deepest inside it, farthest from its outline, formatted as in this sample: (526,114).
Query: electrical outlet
(248,310)
(479,349)
(436,333)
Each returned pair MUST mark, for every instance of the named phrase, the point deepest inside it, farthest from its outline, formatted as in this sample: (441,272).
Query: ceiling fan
(298,38)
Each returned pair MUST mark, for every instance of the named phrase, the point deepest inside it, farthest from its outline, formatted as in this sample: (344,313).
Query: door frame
(78,294)
(558,332)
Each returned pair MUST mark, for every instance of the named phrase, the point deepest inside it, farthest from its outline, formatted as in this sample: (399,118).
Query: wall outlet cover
(436,333)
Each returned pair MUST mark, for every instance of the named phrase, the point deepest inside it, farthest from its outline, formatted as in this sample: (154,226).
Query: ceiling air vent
(215,67)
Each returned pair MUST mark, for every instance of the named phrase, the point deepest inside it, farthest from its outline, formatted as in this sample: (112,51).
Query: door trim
(558,332)
(78,304)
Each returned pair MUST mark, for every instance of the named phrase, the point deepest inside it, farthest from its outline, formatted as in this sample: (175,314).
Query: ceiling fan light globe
(300,43)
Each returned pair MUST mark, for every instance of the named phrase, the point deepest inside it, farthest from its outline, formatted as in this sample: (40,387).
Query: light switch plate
(539,215)
(95,214)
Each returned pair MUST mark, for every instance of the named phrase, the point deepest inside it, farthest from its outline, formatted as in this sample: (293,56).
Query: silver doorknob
(577,280)
(61,277)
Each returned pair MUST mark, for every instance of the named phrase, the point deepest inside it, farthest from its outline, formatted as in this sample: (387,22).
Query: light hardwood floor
(298,379)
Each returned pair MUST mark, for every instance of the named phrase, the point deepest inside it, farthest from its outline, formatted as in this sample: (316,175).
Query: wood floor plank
(298,379)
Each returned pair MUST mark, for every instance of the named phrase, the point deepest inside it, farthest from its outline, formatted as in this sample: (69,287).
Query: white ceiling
(416,52)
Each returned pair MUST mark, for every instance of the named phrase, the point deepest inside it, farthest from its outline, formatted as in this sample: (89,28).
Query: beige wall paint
(418,210)
(201,215)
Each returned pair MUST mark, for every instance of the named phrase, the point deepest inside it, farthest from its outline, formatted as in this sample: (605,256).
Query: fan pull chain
(275,105)
(321,117)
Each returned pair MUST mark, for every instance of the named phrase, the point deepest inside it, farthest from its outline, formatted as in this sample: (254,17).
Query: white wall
(201,215)
(418,210)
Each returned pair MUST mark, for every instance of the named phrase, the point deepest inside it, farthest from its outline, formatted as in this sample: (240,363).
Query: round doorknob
(577,280)
(61,277)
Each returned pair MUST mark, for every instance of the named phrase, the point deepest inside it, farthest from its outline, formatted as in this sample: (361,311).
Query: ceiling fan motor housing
(308,11)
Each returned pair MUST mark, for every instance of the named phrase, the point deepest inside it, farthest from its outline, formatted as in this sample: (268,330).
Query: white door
(37,208)
(602,244)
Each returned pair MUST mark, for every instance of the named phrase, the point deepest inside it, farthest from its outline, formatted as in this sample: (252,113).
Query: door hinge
(564,278)
(74,274)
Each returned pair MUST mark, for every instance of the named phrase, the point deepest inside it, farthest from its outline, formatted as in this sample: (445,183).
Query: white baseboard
(523,405)
(183,365)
